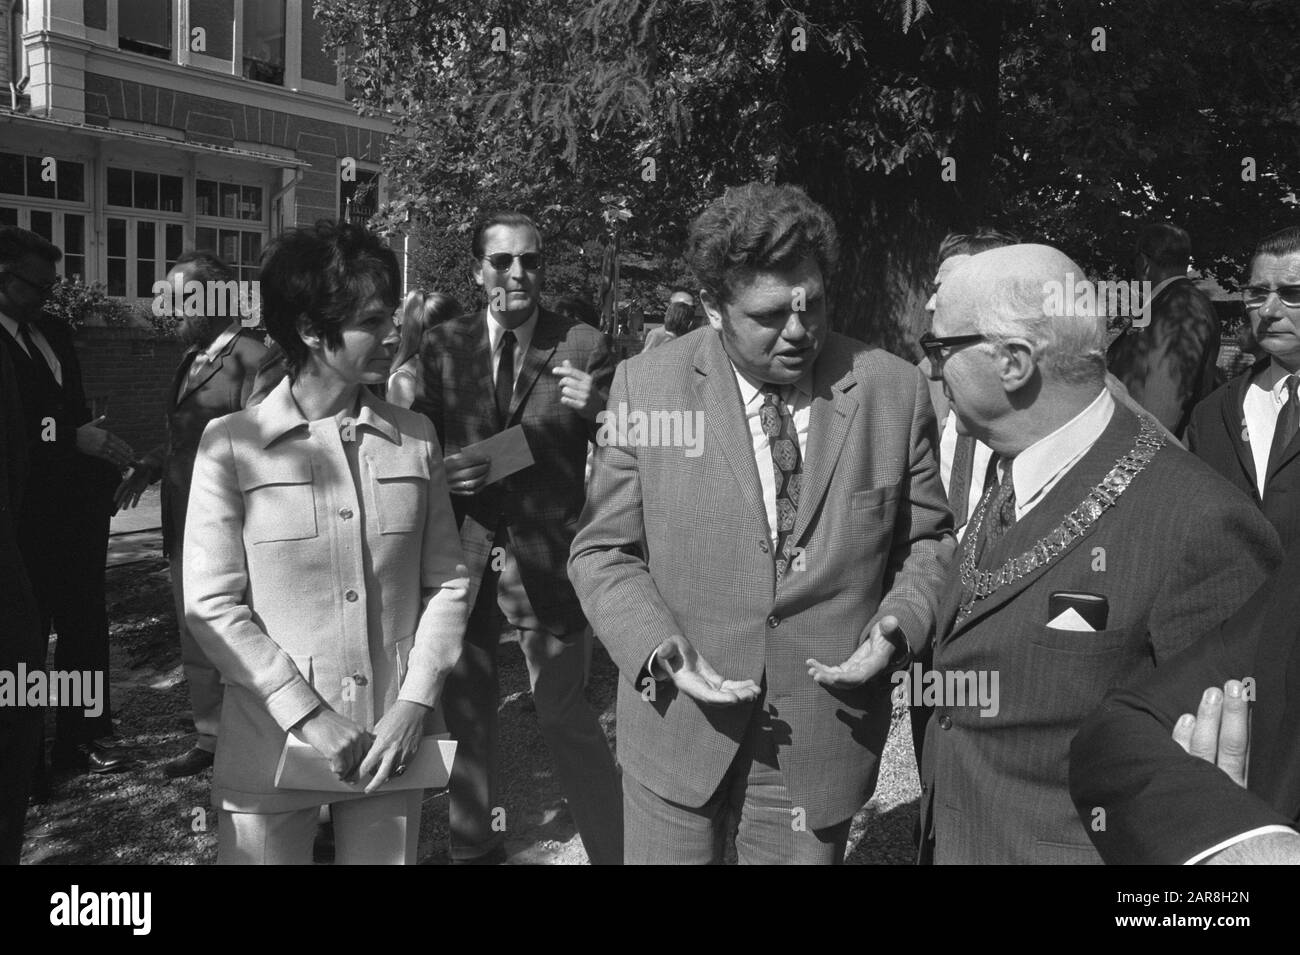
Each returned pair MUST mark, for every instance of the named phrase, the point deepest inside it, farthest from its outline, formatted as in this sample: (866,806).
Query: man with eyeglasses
(518,363)
(1102,551)
(67,502)
(1248,429)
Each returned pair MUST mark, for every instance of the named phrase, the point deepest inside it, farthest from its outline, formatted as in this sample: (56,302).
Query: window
(318,63)
(138,189)
(228,200)
(215,17)
(145,26)
(264,40)
(17,55)
(33,176)
(8,215)
(140,252)
(243,250)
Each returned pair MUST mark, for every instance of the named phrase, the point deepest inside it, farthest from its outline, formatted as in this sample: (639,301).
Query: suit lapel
(212,368)
(1051,510)
(175,396)
(540,348)
(724,420)
(833,409)
(476,351)
(1234,425)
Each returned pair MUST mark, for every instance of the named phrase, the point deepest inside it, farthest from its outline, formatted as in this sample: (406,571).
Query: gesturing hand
(338,739)
(1219,733)
(132,487)
(95,441)
(466,473)
(871,657)
(397,738)
(577,390)
(692,675)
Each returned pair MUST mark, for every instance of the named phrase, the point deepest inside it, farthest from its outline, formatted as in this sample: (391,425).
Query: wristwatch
(902,657)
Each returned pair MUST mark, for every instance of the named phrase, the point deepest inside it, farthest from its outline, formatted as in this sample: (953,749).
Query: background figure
(216,376)
(679,319)
(517,363)
(323,486)
(67,501)
(1169,365)
(579,308)
(1249,429)
(420,312)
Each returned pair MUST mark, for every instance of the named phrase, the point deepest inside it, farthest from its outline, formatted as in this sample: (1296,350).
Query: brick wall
(130,369)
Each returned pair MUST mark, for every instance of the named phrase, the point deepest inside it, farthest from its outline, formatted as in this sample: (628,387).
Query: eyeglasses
(501,261)
(938,349)
(45,289)
(1256,296)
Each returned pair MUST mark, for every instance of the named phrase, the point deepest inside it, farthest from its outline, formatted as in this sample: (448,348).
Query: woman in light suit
(323,572)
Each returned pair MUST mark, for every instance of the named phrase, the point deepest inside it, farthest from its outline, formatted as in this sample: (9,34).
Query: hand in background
(1219,733)
(95,441)
(466,473)
(338,739)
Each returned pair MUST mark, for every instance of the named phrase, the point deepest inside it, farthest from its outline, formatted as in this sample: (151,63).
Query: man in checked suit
(516,363)
(1102,552)
(67,501)
(216,376)
(797,517)
(1249,430)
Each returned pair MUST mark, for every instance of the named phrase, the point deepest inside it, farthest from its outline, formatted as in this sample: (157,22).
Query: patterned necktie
(787,466)
(506,377)
(1001,513)
(38,356)
(1288,421)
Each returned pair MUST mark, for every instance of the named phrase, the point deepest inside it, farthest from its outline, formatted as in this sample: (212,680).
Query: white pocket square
(1069,619)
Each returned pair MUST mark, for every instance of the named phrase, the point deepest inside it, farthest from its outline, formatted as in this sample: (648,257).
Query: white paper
(1070,619)
(508,451)
(302,766)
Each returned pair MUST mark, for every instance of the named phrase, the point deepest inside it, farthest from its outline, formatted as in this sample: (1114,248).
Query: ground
(142,817)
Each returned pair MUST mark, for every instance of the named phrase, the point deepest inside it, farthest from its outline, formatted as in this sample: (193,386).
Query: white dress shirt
(42,345)
(1042,465)
(979,467)
(799,399)
(523,337)
(1261,406)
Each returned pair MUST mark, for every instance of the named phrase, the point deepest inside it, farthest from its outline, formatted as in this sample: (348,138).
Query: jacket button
(350,596)
(359,679)
(764,547)
(945,722)
(774,621)
(345,513)
(488,538)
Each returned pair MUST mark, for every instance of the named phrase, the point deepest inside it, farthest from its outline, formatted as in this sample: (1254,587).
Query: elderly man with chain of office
(1101,552)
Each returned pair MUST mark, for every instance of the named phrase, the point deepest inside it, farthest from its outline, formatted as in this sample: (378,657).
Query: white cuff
(1229,843)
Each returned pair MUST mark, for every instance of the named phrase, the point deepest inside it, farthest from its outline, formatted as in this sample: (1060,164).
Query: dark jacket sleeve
(1141,797)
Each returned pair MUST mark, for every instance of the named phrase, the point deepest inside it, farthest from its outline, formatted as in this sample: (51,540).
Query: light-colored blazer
(306,587)
(674,543)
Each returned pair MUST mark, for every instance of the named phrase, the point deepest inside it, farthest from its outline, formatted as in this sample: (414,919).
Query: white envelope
(1070,619)
(303,767)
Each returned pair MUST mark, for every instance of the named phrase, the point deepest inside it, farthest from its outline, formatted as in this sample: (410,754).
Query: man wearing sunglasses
(75,464)
(518,363)
(1249,429)
(1102,551)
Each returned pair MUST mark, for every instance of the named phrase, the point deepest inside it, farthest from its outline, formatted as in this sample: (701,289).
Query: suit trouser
(581,756)
(373,830)
(20,750)
(65,547)
(203,678)
(752,800)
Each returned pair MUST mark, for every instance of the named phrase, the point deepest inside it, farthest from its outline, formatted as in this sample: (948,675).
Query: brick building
(150,126)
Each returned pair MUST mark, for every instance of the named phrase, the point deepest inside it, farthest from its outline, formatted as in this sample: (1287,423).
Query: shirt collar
(751,389)
(523,334)
(278,414)
(1164,284)
(1272,379)
(1034,467)
(219,344)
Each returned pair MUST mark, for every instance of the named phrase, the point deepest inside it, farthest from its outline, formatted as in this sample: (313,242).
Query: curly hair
(322,274)
(758,227)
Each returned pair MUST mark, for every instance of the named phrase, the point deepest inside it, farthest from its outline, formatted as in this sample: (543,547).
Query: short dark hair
(679,318)
(577,307)
(208,266)
(17,244)
(506,217)
(1282,242)
(973,243)
(322,274)
(1165,244)
(758,227)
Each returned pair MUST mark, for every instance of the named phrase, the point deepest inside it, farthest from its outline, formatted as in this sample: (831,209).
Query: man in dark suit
(1154,787)
(215,377)
(1168,365)
(1249,430)
(794,516)
(20,636)
(67,502)
(1101,552)
(516,363)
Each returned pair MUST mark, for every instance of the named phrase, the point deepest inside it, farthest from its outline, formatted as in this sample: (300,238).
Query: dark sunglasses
(938,349)
(501,261)
(42,289)
(1257,296)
